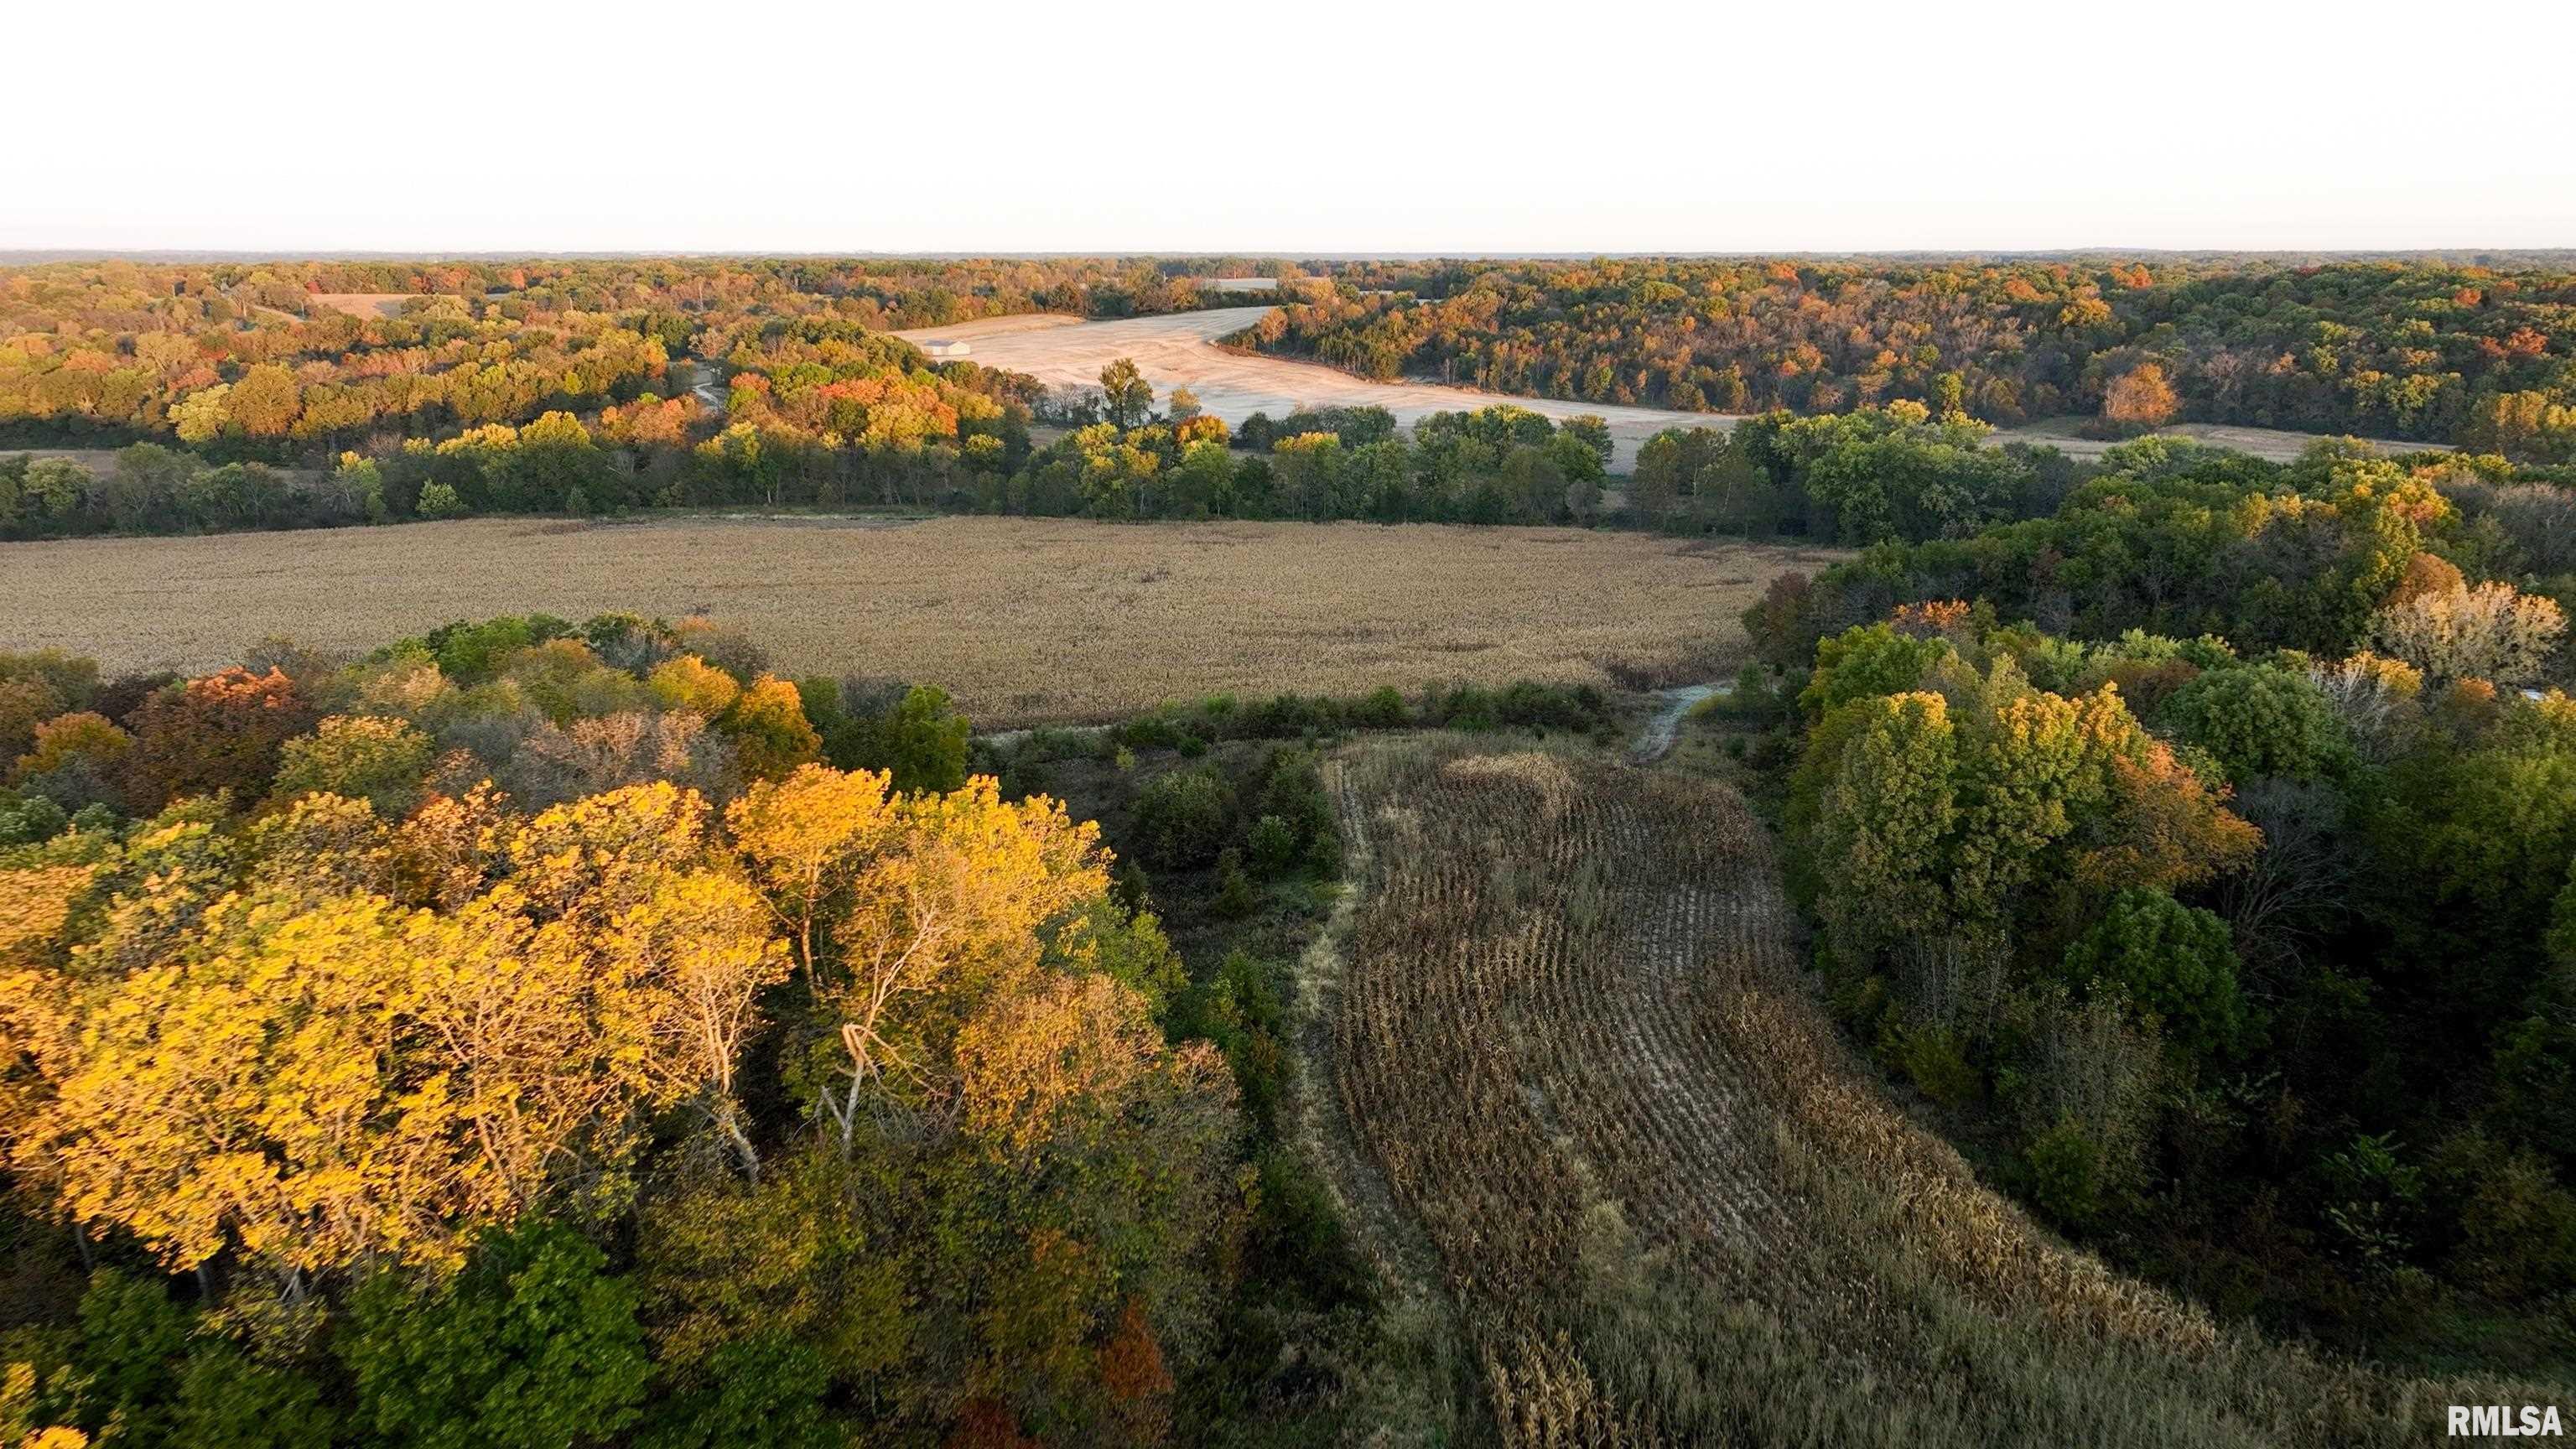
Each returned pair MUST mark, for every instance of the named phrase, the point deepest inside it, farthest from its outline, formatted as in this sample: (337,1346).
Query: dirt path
(1179,350)
(1417,1311)
(704,386)
(1664,726)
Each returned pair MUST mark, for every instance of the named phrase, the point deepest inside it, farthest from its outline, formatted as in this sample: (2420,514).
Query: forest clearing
(1070,621)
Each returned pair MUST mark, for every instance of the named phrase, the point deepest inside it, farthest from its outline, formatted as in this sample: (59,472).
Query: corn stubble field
(1023,620)
(1648,1197)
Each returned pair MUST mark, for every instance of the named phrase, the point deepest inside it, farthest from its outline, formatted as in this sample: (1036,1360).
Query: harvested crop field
(1585,1107)
(1179,350)
(363,304)
(1024,620)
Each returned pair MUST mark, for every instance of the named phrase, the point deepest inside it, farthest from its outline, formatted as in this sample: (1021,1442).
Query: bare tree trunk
(729,1123)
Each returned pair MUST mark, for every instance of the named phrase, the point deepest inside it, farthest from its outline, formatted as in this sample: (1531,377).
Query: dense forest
(2204,850)
(279,360)
(2435,351)
(533,1034)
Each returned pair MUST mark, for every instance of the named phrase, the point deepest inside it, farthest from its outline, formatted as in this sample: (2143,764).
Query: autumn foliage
(352,1026)
(219,733)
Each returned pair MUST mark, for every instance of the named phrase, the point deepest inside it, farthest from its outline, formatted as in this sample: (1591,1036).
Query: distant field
(364,304)
(99,461)
(1179,350)
(2274,443)
(1025,620)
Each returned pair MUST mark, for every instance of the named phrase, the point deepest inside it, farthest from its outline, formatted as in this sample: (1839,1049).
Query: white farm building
(945,347)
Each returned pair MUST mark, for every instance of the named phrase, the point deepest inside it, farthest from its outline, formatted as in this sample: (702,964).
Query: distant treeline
(1499,465)
(1892,475)
(2434,350)
(276,361)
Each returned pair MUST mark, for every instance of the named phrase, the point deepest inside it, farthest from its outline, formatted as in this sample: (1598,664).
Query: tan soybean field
(1024,620)
(1179,350)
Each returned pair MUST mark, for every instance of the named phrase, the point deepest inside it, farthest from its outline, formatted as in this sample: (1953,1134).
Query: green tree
(1182,818)
(1126,398)
(920,739)
(364,757)
(439,500)
(531,1346)
(2257,720)
(1887,813)
(2172,960)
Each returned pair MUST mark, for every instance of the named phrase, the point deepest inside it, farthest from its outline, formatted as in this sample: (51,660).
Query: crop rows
(1573,1038)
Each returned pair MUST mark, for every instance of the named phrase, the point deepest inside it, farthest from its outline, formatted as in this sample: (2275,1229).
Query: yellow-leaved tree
(310,1073)
(804,840)
(933,902)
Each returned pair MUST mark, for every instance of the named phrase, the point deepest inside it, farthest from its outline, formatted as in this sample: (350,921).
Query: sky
(1307,128)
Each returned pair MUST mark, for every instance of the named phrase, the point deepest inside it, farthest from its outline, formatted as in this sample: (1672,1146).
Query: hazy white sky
(1583,126)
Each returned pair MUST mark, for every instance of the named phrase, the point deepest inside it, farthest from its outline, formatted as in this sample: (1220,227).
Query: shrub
(2517,1225)
(30,820)
(1236,897)
(2066,1177)
(1467,707)
(1382,708)
(1286,716)
(1530,705)
(1275,846)
(1936,1061)
(2374,1198)
(380,761)
(1156,731)
(439,501)
(1182,818)
(1240,1010)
